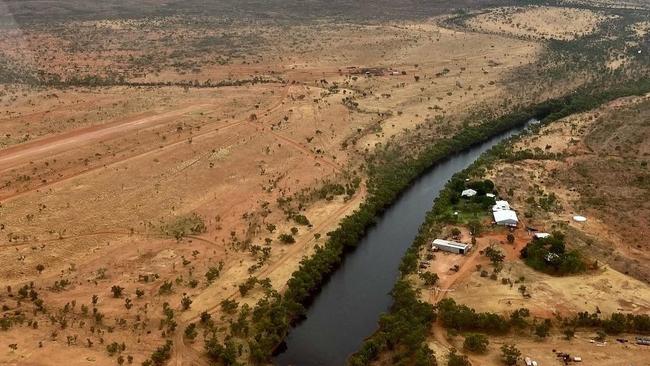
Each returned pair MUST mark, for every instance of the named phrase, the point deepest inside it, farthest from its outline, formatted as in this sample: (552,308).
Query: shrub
(287,238)
(301,220)
(213,272)
(117,291)
(206,317)
(165,288)
(510,354)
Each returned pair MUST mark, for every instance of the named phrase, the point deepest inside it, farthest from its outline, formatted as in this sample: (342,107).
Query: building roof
(449,243)
(505,216)
(500,206)
(468,193)
(541,235)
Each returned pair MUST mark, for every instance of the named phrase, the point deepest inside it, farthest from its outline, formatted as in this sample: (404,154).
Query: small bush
(287,238)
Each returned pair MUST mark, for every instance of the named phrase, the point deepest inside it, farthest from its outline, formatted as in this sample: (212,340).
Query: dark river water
(348,307)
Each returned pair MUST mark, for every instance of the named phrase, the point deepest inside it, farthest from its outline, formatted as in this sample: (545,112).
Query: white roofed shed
(505,217)
(501,206)
(451,246)
(468,193)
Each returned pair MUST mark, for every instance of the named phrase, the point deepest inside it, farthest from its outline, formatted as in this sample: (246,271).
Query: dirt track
(15,156)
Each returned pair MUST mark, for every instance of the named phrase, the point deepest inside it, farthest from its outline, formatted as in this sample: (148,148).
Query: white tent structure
(505,217)
(468,193)
(541,235)
(501,206)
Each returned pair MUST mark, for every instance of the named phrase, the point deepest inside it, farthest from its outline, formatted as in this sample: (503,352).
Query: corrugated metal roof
(505,216)
(450,244)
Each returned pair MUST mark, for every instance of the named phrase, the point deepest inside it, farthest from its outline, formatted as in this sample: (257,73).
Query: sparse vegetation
(182,226)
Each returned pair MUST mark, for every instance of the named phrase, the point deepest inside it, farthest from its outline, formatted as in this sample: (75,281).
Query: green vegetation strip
(390,173)
(404,329)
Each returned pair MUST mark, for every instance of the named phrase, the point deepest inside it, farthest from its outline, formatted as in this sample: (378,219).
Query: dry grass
(541,22)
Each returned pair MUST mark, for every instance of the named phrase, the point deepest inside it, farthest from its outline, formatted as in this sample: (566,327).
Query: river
(348,306)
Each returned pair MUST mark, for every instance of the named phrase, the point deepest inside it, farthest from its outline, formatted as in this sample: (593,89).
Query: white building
(468,193)
(505,217)
(541,235)
(501,206)
(451,246)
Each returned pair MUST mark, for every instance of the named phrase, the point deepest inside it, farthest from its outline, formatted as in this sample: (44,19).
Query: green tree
(475,227)
(475,342)
(569,333)
(163,353)
(542,329)
(190,331)
(225,354)
(430,279)
(205,317)
(454,359)
(495,255)
(455,232)
(229,306)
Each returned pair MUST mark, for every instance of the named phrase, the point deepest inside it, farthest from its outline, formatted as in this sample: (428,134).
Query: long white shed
(451,246)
